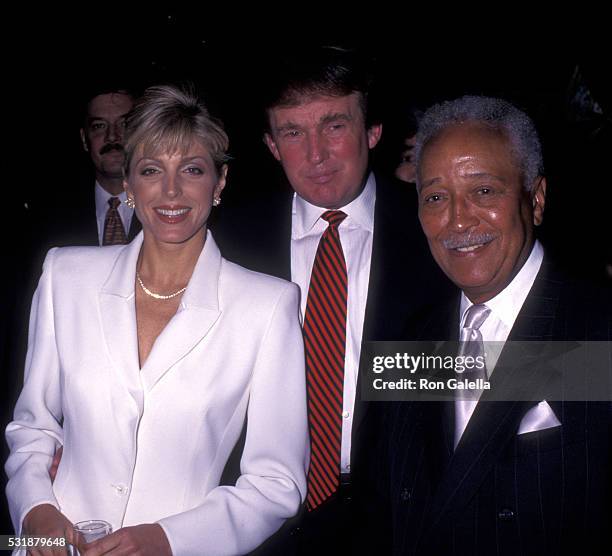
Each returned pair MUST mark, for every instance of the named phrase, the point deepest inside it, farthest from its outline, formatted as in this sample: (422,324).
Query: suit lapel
(394,247)
(390,294)
(494,424)
(537,318)
(118,314)
(440,324)
(90,228)
(277,236)
(83,228)
(198,312)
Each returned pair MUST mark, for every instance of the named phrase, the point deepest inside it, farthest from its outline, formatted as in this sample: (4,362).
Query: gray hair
(168,119)
(494,112)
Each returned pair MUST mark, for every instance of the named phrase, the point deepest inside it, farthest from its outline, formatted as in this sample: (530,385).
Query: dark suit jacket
(73,220)
(546,492)
(403,277)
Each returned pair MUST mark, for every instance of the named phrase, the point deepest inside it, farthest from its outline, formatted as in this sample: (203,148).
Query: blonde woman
(145,360)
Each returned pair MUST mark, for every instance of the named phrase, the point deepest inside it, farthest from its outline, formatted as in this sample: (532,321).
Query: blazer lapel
(394,248)
(441,324)
(537,317)
(385,284)
(198,312)
(277,236)
(398,247)
(118,314)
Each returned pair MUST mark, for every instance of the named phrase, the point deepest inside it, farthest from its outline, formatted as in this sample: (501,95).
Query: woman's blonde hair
(168,119)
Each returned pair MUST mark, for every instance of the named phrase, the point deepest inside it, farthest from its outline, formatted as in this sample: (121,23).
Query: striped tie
(114,234)
(325,339)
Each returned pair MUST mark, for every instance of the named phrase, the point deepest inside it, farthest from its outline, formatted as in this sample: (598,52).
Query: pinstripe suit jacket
(499,493)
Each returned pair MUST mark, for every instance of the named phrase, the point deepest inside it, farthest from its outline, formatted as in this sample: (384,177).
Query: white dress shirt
(505,307)
(356,232)
(102,196)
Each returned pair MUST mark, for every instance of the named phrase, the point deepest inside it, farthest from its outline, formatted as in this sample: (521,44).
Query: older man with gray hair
(494,477)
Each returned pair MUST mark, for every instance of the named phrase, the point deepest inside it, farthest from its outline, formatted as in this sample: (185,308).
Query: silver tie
(471,337)
(471,345)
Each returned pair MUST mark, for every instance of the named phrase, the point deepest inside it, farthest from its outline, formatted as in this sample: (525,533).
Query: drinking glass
(89,531)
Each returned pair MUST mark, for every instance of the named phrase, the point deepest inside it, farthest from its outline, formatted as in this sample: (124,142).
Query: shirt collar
(507,303)
(102,196)
(360,211)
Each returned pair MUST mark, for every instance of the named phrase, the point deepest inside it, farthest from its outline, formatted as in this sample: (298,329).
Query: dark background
(52,60)
(419,61)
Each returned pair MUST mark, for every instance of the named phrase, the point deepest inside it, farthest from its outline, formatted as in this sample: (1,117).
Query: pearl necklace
(157,295)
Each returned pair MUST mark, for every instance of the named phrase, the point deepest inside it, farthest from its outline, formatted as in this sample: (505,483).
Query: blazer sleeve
(272,485)
(36,430)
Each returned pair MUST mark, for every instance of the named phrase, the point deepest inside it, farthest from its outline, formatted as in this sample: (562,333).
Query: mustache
(112,147)
(459,241)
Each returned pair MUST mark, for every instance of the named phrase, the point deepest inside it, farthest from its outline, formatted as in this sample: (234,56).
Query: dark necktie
(325,340)
(114,234)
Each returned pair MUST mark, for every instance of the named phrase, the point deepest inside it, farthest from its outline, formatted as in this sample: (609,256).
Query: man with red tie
(347,239)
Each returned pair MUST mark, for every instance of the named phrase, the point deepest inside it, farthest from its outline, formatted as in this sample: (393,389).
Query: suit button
(405,495)
(295,531)
(120,489)
(506,514)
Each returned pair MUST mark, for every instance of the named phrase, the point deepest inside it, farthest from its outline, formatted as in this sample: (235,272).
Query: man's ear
(538,199)
(271,144)
(374,134)
(126,187)
(84,140)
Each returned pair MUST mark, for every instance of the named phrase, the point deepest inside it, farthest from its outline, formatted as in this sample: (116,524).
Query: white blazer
(149,445)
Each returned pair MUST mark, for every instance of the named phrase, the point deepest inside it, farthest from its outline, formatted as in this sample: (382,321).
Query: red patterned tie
(325,339)
(114,234)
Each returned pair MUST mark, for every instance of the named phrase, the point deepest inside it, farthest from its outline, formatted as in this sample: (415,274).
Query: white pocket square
(538,418)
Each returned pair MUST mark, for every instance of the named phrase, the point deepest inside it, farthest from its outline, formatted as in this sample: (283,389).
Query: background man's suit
(544,492)
(72,220)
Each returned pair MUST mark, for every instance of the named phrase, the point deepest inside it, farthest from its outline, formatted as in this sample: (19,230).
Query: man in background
(93,212)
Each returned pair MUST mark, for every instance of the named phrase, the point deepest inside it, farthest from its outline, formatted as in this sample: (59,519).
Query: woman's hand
(47,521)
(140,540)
